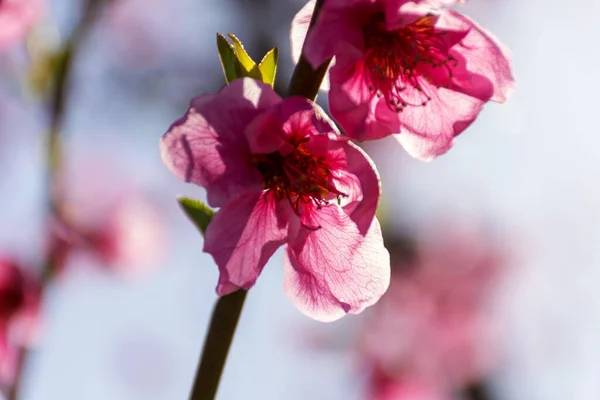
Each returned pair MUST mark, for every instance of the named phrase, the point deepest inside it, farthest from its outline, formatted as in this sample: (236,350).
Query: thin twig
(216,345)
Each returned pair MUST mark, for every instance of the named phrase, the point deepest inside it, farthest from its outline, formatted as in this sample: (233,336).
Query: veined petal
(361,166)
(243,235)
(334,270)
(483,53)
(427,132)
(207,146)
(354,174)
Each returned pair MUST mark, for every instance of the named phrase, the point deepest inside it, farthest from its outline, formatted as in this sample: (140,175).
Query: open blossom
(281,174)
(124,235)
(107,217)
(405,68)
(19,306)
(131,240)
(16,18)
(435,323)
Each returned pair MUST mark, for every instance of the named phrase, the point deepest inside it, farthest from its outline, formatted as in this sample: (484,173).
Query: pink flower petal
(428,132)
(208,147)
(359,164)
(334,270)
(399,13)
(299,29)
(243,235)
(429,103)
(483,53)
(17,17)
(294,118)
(337,23)
(351,103)
(355,176)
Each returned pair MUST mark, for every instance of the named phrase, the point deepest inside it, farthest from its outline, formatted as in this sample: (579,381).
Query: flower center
(299,177)
(397,60)
(12,299)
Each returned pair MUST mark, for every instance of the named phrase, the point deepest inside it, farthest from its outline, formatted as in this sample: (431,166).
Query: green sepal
(229,60)
(248,65)
(237,63)
(197,211)
(268,66)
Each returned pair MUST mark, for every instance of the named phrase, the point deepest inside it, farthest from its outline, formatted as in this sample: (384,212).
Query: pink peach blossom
(405,68)
(9,362)
(383,387)
(131,240)
(19,309)
(281,174)
(16,19)
(435,323)
(106,217)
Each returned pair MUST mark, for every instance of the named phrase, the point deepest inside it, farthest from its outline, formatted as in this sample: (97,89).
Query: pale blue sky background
(529,166)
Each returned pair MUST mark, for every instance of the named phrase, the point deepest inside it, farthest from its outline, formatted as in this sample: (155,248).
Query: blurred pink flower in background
(19,308)
(436,322)
(404,68)
(106,217)
(281,174)
(17,17)
(383,387)
(131,239)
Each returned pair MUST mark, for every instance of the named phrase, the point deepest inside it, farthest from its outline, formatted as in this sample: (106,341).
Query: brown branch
(306,80)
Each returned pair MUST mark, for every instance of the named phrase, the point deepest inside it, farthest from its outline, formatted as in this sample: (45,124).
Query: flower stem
(54,156)
(306,81)
(216,345)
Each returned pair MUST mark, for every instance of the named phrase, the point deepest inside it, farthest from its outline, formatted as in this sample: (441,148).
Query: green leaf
(229,61)
(268,66)
(197,211)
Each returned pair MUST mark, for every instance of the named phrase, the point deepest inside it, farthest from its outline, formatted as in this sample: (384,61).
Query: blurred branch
(216,346)
(477,391)
(58,103)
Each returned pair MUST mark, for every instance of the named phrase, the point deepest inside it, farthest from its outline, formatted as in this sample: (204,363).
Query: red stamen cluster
(299,176)
(395,60)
